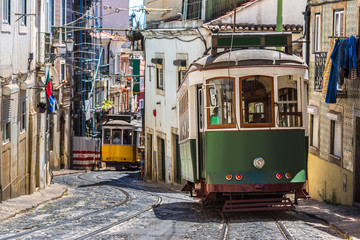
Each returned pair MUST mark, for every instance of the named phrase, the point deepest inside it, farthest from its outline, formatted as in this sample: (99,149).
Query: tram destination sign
(247,40)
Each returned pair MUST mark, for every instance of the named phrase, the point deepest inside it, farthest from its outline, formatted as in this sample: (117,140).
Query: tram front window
(221,102)
(289,114)
(257,101)
(127,140)
(107,136)
(116,137)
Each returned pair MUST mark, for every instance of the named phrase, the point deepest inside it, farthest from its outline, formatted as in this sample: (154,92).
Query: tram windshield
(127,137)
(116,137)
(257,101)
(221,101)
(107,136)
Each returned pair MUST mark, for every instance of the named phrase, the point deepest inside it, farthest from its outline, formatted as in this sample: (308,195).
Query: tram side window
(127,138)
(116,137)
(221,101)
(107,136)
(289,114)
(257,101)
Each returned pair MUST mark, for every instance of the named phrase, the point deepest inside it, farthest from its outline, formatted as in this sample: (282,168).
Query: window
(193,9)
(22,115)
(184,116)
(335,148)
(159,76)
(317,33)
(6,119)
(127,138)
(62,72)
(257,104)
(314,126)
(23,11)
(116,139)
(180,63)
(181,74)
(6,11)
(288,106)
(338,30)
(107,136)
(221,100)
(335,138)
(63,13)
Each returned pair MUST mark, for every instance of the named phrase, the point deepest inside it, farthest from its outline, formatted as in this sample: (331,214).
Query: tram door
(200,139)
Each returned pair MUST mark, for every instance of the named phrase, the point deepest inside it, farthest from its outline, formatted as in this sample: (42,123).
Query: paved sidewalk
(344,219)
(11,207)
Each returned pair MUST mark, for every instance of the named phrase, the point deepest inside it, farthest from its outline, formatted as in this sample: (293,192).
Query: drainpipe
(307,15)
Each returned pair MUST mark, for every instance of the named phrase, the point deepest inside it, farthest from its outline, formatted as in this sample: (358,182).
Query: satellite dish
(54,76)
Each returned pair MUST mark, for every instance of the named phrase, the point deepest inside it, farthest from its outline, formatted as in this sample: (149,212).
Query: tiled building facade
(334,128)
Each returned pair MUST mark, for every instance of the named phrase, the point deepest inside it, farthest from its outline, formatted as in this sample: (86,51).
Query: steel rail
(127,199)
(151,189)
(286,234)
(224,231)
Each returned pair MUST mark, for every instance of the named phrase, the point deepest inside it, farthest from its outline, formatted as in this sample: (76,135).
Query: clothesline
(342,62)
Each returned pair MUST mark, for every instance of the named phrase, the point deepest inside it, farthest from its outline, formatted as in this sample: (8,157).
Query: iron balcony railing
(320,60)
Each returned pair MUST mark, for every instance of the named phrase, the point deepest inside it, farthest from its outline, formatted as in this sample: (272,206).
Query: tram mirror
(212,94)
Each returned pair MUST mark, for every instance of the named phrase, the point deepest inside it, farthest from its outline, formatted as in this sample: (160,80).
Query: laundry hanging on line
(344,61)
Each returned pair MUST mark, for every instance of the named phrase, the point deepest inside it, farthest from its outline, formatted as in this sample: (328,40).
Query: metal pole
(234,15)
(279,20)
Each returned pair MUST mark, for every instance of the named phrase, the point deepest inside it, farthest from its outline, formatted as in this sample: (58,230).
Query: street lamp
(69,43)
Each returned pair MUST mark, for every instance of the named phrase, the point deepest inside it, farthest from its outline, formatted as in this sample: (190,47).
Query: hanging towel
(343,66)
(327,68)
(352,53)
(332,85)
(352,58)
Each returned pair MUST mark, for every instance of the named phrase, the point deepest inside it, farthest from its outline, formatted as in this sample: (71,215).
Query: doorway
(161,157)
(357,161)
(149,159)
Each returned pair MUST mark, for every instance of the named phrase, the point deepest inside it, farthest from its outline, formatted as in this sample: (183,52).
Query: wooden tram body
(122,144)
(243,129)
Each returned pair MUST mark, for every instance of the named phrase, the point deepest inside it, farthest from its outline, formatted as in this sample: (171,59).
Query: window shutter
(337,139)
(6,110)
(316,132)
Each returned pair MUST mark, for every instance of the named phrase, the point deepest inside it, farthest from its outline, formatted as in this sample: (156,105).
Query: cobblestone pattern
(96,207)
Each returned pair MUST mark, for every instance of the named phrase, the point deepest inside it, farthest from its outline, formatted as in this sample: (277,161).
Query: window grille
(320,59)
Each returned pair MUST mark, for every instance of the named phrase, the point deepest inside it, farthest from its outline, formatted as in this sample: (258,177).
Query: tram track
(123,202)
(281,226)
(150,189)
(224,231)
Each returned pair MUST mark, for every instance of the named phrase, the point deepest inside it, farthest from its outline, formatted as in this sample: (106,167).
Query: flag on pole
(52,104)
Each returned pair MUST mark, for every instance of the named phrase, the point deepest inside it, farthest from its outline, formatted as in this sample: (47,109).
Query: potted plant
(41,106)
(106,105)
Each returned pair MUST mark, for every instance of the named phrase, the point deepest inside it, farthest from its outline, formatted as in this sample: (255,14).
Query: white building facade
(169,50)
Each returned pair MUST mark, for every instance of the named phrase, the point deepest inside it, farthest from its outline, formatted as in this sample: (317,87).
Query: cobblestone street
(111,205)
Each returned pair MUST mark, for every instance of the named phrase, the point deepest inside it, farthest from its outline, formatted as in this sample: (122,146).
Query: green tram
(243,129)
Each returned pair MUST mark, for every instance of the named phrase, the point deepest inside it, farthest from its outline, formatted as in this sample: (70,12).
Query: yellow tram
(122,144)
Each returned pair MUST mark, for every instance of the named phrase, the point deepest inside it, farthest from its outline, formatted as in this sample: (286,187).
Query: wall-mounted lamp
(154,112)
(173,108)
(158,103)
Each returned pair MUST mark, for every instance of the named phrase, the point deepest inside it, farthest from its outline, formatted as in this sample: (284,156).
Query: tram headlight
(228,177)
(259,162)
(238,177)
(279,176)
(288,175)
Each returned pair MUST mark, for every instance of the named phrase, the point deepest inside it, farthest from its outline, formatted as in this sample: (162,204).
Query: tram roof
(113,122)
(247,57)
